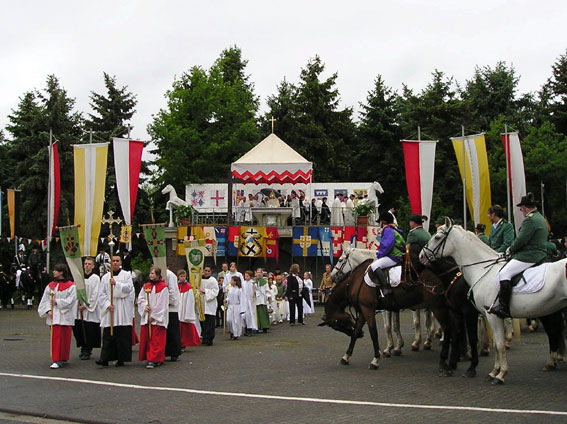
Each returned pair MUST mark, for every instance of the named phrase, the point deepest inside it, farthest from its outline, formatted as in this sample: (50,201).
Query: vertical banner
(373,237)
(272,243)
(221,234)
(325,243)
(252,242)
(195,255)
(337,239)
(155,239)
(183,235)
(54,189)
(127,164)
(419,158)
(233,240)
(477,176)
(516,175)
(305,241)
(14,204)
(72,251)
(90,180)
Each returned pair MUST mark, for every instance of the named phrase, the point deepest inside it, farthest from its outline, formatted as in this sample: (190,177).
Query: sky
(146,44)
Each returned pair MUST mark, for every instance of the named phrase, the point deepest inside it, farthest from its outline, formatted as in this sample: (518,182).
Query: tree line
(213,117)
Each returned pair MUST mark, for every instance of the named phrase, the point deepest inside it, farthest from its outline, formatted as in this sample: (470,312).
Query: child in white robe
(234,309)
(272,295)
(187,316)
(248,304)
(308,307)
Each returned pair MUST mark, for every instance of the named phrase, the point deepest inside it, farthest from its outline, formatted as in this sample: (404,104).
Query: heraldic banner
(72,250)
(252,242)
(155,239)
(90,180)
(195,254)
(305,241)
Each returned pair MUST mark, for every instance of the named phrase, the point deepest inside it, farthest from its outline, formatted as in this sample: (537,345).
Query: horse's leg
(345,360)
(443,316)
(430,329)
(370,317)
(553,326)
(387,317)
(417,329)
(500,369)
(455,335)
(509,332)
(397,331)
(471,323)
(483,335)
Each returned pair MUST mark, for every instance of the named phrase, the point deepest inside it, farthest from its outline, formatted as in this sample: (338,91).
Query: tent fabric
(272,161)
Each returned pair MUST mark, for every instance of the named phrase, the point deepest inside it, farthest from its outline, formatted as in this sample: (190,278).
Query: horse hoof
(414,348)
(386,354)
(372,367)
(426,347)
(344,362)
(549,367)
(470,374)
(507,346)
(489,378)
(483,353)
(497,381)
(397,352)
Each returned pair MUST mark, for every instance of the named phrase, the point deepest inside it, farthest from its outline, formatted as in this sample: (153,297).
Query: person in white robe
(234,309)
(209,291)
(87,319)
(118,346)
(228,276)
(248,304)
(153,307)
(275,316)
(190,335)
(308,308)
(348,211)
(58,304)
(337,219)
(173,343)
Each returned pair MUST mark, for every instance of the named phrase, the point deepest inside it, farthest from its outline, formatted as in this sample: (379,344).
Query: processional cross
(111,221)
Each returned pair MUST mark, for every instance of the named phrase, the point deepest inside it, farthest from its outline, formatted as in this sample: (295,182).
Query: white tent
(272,161)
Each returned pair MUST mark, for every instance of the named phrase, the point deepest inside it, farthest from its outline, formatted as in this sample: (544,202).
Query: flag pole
(49,200)
(507,156)
(464,180)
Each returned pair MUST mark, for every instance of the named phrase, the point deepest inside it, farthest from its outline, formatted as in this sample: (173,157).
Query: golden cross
(272,120)
(110,221)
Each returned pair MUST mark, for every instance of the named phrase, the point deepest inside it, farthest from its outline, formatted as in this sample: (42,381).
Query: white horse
(480,266)
(173,203)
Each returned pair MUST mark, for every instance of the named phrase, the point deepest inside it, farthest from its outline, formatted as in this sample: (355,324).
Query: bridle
(432,254)
(340,276)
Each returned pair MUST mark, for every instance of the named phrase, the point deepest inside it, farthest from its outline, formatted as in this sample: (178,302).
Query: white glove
(508,253)
(502,255)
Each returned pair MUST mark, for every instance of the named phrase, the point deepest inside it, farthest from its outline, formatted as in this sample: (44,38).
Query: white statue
(173,203)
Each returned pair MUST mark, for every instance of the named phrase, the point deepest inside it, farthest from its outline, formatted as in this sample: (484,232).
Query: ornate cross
(273,120)
(110,221)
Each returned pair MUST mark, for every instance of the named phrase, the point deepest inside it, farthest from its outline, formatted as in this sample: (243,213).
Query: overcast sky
(145,44)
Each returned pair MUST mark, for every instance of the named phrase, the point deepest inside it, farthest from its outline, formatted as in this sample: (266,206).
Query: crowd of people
(173,315)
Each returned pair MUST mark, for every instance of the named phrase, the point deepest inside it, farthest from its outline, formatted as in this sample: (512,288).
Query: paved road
(291,374)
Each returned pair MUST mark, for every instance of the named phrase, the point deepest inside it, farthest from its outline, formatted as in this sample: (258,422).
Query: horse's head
(436,247)
(335,315)
(343,267)
(167,189)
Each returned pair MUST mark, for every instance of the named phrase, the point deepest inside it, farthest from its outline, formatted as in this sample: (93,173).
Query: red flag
(127,164)
(272,243)
(233,240)
(54,190)
(337,233)
(361,237)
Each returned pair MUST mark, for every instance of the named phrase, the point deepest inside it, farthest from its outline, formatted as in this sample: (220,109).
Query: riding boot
(388,295)
(502,310)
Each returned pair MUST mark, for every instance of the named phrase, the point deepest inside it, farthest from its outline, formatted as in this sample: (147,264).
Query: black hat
(528,201)
(418,219)
(386,217)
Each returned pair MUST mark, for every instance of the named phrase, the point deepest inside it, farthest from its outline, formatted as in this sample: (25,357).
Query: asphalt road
(291,374)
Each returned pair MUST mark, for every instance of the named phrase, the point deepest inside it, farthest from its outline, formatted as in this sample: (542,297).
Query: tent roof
(270,150)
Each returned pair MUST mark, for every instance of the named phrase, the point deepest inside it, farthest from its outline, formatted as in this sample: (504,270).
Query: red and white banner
(127,164)
(516,176)
(53,190)
(419,157)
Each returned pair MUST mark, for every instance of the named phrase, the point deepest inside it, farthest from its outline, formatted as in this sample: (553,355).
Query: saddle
(393,276)
(521,278)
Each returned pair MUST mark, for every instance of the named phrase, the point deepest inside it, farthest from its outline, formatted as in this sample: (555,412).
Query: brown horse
(352,291)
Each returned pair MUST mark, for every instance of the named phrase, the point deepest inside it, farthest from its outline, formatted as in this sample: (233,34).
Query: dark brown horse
(353,292)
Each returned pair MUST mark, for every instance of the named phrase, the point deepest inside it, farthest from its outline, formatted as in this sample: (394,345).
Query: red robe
(189,334)
(153,349)
(61,335)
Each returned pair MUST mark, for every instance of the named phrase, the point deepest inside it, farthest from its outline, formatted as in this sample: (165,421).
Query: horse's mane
(471,237)
(360,255)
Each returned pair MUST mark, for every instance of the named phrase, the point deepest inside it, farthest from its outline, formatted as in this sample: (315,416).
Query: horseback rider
(502,232)
(528,249)
(417,235)
(390,253)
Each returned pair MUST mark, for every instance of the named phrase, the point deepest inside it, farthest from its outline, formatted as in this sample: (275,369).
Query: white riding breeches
(512,268)
(384,262)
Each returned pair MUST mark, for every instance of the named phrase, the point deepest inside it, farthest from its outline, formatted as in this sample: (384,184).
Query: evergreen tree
(554,95)
(37,113)
(379,155)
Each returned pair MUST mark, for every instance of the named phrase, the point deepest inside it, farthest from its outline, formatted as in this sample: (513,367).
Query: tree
(379,154)
(312,123)
(37,113)
(554,95)
(209,122)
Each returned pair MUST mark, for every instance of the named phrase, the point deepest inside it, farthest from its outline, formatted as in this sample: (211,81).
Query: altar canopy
(272,161)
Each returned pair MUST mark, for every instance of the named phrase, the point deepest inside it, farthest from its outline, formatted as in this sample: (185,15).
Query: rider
(528,249)
(417,234)
(502,232)
(390,253)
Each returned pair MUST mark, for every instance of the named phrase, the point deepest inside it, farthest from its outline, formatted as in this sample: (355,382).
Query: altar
(271,217)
